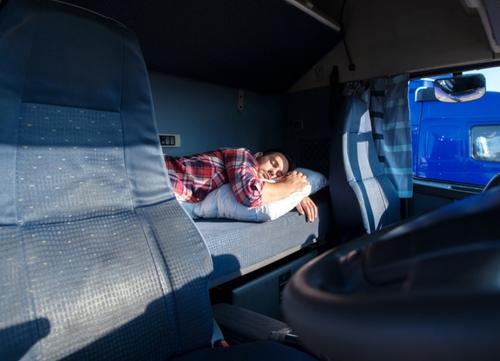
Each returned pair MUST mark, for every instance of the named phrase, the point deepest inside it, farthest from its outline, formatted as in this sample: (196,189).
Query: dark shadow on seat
(225,261)
(16,340)
(326,230)
(117,339)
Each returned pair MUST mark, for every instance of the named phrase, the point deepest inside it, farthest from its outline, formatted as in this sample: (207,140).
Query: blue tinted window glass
(486,143)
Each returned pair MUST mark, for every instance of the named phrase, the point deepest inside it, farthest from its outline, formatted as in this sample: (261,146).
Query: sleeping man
(255,179)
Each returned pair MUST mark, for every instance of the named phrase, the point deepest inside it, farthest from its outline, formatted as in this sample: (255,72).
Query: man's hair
(291,163)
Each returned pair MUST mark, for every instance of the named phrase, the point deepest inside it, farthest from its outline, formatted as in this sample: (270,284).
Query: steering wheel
(494,182)
(425,289)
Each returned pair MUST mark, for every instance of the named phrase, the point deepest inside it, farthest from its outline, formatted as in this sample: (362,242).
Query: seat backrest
(376,195)
(346,213)
(98,260)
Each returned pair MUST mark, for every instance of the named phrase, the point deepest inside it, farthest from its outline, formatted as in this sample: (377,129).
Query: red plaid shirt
(194,176)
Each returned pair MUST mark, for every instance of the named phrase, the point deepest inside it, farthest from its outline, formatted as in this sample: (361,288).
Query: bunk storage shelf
(260,45)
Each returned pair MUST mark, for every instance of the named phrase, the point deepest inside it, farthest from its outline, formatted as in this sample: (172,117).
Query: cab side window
(485,142)
(456,142)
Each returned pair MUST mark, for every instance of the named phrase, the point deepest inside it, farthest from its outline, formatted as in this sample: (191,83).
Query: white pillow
(316,180)
(221,203)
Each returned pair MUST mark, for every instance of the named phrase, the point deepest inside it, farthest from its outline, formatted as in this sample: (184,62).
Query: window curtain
(387,100)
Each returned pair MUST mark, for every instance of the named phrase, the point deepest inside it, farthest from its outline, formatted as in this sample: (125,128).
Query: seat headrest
(78,135)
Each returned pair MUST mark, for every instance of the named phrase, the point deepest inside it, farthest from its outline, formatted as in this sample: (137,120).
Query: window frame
(472,143)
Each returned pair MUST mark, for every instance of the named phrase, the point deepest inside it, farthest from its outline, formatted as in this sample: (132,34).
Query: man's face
(272,166)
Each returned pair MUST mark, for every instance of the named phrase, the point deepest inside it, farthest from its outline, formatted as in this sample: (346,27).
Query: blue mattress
(238,248)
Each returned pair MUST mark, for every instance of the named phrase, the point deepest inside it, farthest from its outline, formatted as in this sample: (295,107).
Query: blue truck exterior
(441,137)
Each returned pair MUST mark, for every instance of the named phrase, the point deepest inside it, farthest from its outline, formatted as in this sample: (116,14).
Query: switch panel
(170,140)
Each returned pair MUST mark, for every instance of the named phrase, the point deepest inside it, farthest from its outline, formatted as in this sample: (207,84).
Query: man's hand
(296,181)
(292,182)
(307,207)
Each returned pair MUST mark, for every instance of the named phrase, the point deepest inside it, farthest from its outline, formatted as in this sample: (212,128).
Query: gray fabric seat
(376,195)
(99,261)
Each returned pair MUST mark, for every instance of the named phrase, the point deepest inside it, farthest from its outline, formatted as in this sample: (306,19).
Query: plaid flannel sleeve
(241,167)
(182,193)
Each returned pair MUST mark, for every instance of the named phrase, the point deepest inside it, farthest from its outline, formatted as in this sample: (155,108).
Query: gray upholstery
(97,256)
(365,174)
(238,248)
(98,260)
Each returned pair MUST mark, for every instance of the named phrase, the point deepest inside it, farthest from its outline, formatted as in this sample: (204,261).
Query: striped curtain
(387,100)
(390,119)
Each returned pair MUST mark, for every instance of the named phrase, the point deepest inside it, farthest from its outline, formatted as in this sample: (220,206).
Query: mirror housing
(460,89)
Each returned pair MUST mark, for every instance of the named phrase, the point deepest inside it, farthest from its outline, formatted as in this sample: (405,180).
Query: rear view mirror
(459,89)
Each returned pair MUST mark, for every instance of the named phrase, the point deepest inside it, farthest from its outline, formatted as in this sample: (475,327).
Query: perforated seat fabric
(98,260)
(238,248)
(376,195)
(96,255)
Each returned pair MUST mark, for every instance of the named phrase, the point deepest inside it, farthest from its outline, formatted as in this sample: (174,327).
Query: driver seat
(99,261)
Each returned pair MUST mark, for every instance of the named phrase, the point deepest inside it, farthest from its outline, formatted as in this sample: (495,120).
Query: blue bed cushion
(238,248)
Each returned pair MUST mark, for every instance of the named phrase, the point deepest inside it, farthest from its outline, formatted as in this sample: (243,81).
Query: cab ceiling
(262,45)
(394,36)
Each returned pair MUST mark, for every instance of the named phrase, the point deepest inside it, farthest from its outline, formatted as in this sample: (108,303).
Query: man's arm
(293,182)
(249,190)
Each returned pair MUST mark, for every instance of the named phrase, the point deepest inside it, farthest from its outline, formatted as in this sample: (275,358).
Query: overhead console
(261,45)
(489,11)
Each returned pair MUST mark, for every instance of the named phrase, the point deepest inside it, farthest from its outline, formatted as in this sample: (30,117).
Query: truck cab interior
(100,261)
